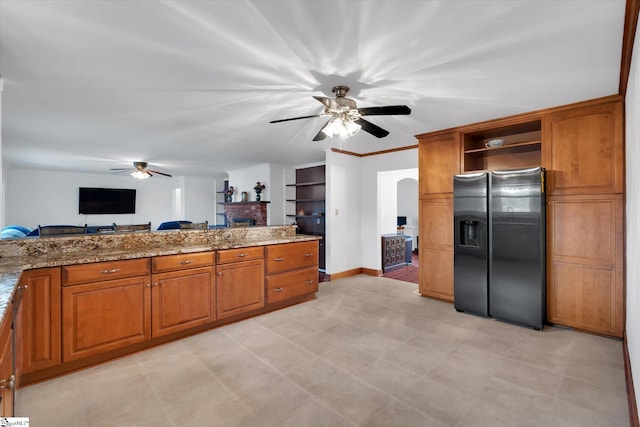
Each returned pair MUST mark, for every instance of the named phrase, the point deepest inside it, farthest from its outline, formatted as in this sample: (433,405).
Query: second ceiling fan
(346,118)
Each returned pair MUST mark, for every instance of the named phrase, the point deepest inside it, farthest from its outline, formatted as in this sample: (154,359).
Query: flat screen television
(94,201)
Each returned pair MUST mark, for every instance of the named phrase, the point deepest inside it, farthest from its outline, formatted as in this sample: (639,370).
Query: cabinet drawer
(99,271)
(182,261)
(288,285)
(241,254)
(291,256)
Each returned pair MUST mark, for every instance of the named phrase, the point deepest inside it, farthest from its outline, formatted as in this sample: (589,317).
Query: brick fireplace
(256,211)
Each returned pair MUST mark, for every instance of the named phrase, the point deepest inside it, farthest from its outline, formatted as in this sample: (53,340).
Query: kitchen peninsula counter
(19,255)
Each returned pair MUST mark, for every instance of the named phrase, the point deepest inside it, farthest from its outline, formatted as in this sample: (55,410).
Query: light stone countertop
(19,255)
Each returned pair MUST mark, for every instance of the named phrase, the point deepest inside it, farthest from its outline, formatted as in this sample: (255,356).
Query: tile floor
(368,352)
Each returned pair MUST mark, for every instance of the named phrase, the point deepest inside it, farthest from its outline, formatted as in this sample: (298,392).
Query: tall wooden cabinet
(40,319)
(582,149)
(439,160)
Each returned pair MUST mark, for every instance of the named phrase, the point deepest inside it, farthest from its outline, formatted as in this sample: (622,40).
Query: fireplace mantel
(256,211)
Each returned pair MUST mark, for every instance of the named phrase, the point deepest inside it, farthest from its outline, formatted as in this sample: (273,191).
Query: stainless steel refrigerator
(499,247)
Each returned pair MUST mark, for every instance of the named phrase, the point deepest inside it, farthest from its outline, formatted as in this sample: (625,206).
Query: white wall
(632,141)
(374,201)
(408,199)
(344,213)
(388,196)
(51,197)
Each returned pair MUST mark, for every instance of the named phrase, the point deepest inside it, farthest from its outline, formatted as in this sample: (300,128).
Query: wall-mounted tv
(94,201)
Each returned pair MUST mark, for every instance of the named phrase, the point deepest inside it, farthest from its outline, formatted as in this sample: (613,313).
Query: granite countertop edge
(11,268)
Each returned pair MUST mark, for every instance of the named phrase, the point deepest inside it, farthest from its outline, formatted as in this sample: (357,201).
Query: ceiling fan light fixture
(342,128)
(138,174)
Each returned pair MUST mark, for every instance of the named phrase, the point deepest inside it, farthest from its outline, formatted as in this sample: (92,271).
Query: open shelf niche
(309,203)
(521,148)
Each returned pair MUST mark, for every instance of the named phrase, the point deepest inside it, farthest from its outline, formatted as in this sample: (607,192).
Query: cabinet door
(436,248)
(585,150)
(40,319)
(182,299)
(239,287)
(104,316)
(436,274)
(7,381)
(584,271)
(439,160)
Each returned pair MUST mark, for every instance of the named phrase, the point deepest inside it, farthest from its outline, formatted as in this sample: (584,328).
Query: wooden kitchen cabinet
(39,320)
(585,262)
(290,256)
(182,299)
(239,284)
(292,270)
(585,150)
(436,247)
(439,160)
(7,373)
(102,316)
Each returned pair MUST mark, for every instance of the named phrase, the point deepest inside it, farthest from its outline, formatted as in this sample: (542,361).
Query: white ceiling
(190,86)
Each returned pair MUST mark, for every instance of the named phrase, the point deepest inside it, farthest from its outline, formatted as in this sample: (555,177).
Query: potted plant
(228,193)
(258,189)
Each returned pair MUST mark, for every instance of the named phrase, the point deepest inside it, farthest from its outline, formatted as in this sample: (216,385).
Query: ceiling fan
(346,118)
(140,171)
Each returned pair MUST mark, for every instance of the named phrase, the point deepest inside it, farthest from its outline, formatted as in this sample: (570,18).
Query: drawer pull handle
(279,259)
(113,270)
(8,383)
(242,255)
(309,254)
(278,289)
(186,261)
(309,282)
(24,287)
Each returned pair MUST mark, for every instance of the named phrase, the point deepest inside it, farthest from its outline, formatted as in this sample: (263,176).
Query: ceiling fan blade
(321,135)
(294,118)
(159,173)
(384,111)
(120,169)
(374,130)
(330,103)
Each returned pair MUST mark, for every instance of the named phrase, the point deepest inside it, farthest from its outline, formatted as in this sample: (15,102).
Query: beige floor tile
(397,413)
(368,351)
(591,397)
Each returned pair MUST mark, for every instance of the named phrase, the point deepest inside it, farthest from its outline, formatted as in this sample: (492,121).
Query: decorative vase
(257,196)
(227,198)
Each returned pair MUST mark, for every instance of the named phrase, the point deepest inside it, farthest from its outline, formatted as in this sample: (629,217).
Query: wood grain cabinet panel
(182,300)
(239,287)
(585,150)
(439,160)
(291,284)
(585,262)
(240,254)
(40,341)
(161,264)
(108,270)
(436,223)
(6,366)
(436,280)
(290,256)
(99,317)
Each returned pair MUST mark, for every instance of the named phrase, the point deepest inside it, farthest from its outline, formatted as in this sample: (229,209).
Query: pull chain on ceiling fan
(346,118)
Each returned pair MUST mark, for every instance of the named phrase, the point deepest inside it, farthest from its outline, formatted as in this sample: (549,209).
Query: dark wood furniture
(309,204)
(393,252)
(132,227)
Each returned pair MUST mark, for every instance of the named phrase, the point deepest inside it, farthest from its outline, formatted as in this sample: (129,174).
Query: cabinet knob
(219,273)
(278,289)
(23,287)
(309,282)
(8,383)
(309,254)
(242,255)
(279,259)
(148,285)
(155,284)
